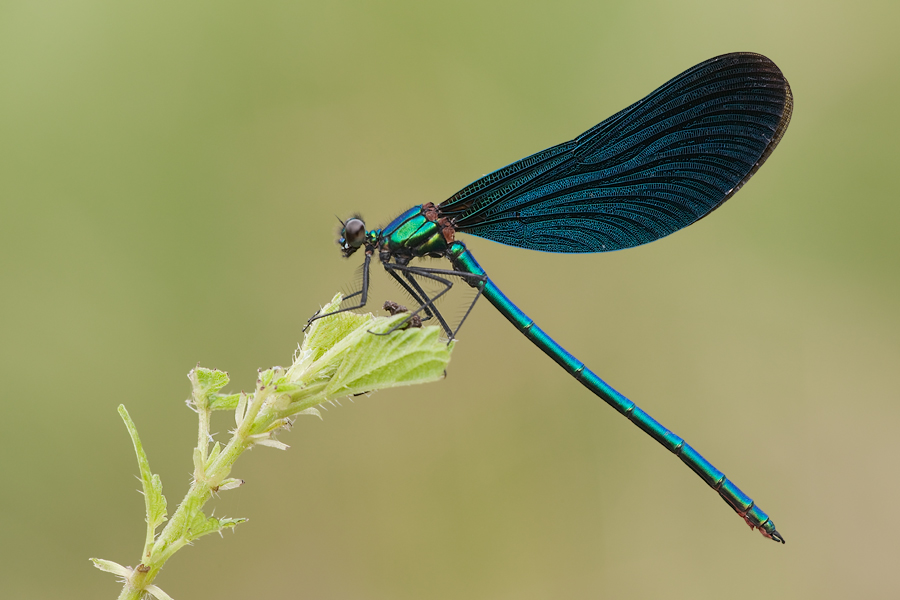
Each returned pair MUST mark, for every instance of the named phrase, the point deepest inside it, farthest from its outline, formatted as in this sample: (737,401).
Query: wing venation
(651,169)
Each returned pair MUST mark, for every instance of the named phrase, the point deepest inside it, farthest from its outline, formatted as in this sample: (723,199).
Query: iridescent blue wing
(647,171)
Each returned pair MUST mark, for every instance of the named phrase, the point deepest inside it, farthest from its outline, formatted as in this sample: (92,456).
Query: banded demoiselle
(651,169)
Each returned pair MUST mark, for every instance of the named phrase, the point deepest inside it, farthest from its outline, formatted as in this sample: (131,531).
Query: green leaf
(325,333)
(268,376)
(407,357)
(111,567)
(288,387)
(214,453)
(223,402)
(153,497)
(203,525)
(340,356)
(207,381)
(158,506)
(230,484)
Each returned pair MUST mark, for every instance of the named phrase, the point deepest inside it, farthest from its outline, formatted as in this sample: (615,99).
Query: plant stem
(338,358)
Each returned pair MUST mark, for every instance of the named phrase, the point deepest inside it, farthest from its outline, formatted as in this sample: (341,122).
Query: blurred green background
(170,174)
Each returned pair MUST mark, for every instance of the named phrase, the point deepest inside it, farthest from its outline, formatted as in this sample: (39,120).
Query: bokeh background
(170,174)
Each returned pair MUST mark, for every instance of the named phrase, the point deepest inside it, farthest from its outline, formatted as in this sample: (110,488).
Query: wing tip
(787,109)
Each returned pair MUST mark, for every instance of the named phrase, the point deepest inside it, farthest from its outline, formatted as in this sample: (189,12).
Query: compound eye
(354,233)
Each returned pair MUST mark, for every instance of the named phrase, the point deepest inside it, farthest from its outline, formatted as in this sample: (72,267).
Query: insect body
(653,168)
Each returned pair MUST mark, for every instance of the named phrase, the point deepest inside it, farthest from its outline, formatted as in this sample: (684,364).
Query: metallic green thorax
(415,233)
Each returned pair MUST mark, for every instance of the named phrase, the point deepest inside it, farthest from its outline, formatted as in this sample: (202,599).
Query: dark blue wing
(647,171)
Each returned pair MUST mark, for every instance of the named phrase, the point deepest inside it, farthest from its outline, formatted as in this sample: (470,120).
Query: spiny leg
(420,300)
(426,303)
(476,281)
(429,306)
(364,293)
(481,280)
